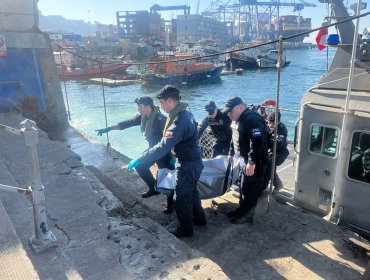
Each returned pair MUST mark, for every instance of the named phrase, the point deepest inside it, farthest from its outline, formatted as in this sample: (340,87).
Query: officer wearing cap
(180,135)
(249,142)
(152,123)
(282,151)
(219,123)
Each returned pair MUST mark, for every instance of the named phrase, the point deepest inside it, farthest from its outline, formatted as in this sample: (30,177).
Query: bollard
(43,238)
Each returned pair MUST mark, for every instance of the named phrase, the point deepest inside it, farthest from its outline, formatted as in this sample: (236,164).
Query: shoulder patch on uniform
(256,133)
(168,133)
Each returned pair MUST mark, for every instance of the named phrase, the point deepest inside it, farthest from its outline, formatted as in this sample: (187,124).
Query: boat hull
(183,78)
(92,73)
(243,63)
(266,62)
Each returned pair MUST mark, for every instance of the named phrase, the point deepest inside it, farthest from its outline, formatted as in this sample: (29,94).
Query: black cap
(271,117)
(145,100)
(210,106)
(231,103)
(168,91)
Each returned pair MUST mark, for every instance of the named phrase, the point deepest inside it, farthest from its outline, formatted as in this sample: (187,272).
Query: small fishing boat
(238,60)
(174,70)
(245,57)
(68,72)
(270,60)
(74,64)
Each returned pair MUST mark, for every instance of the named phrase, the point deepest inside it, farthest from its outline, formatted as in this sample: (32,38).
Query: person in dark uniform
(249,142)
(219,123)
(180,134)
(152,123)
(282,151)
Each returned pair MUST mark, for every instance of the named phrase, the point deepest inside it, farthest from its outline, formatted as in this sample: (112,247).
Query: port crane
(251,11)
(155,8)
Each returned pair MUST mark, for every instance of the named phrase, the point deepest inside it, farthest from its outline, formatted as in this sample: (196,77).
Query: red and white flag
(321,37)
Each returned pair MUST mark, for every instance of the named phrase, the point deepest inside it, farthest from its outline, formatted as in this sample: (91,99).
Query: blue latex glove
(103,130)
(133,163)
(173,162)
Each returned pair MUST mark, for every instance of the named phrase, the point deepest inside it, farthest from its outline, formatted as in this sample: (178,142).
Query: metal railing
(43,238)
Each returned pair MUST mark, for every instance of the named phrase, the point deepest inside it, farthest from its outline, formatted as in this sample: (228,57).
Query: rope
(278,66)
(105,107)
(65,87)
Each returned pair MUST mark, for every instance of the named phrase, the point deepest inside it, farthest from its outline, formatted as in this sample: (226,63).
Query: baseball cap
(210,106)
(231,103)
(145,100)
(168,91)
(271,117)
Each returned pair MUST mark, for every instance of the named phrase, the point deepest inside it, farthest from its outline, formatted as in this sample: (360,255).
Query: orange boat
(171,69)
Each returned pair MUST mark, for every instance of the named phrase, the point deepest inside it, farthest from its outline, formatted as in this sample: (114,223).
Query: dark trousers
(188,205)
(220,148)
(281,156)
(145,173)
(250,187)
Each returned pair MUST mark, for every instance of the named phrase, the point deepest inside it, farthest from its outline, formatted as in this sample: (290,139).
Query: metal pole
(344,141)
(14,189)
(105,107)
(273,165)
(43,238)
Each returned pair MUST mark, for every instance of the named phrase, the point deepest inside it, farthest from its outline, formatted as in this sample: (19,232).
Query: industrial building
(135,25)
(196,27)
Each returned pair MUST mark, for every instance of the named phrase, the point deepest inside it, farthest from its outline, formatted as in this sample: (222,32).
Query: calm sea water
(254,86)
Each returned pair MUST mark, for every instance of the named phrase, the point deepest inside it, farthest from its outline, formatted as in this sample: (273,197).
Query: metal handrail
(15,189)
(43,238)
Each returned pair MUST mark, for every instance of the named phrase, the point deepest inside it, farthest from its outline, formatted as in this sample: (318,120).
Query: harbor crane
(251,11)
(156,8)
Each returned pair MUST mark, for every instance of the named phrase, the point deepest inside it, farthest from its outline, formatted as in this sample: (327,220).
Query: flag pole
(344,141)
(327,59)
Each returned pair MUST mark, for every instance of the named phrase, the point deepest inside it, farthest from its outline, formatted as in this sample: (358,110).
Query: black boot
(170,205)
(278,184)
(179,232)
(246,217)
(149,193)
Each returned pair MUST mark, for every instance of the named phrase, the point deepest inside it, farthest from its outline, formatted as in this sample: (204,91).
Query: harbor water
(86,102)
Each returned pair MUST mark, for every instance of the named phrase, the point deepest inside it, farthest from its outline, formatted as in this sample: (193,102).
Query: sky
(104,11)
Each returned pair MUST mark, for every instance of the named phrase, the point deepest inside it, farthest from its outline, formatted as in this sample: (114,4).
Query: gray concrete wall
(18,15)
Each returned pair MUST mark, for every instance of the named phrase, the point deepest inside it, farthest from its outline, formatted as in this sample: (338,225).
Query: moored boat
(67,72)
(170,71)
(237,60)
(270,60)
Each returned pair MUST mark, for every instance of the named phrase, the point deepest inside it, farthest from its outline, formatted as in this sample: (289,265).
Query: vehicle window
(359,163)
(324,140)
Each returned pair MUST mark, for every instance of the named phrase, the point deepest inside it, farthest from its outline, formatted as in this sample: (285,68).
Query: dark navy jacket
(181,136)
(158,126)
(281,138)
(220,127)
(250,141)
